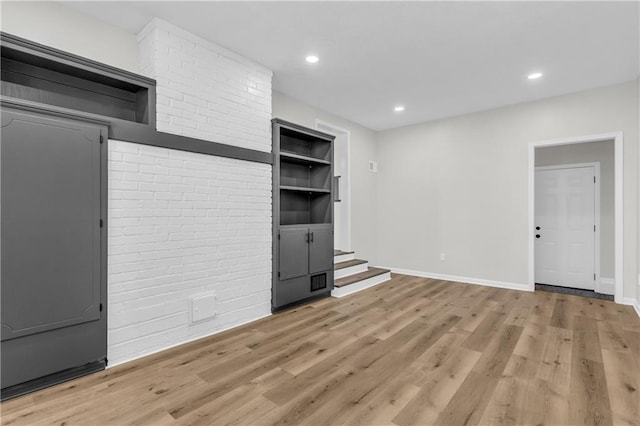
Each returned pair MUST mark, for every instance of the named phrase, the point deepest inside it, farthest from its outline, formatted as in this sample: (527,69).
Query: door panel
(565,213)
(341,222)
(52,262)
(321,250)
(294,252)
(50,225)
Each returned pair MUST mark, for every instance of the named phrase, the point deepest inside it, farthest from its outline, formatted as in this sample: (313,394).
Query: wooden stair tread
(351,279)
(348,263)
(340,252)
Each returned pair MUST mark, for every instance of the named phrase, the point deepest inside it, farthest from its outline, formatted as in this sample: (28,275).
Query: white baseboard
(631,302)
(466,280)
(606,286)
(360,285)
(142,355)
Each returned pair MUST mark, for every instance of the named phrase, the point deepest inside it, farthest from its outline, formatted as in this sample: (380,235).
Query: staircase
(352,275)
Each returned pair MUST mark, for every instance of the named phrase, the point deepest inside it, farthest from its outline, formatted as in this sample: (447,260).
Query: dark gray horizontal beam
(140,133)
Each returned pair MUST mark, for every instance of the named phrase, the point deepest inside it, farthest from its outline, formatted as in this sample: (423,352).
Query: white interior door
(565,227)
(341,213)
(341,164)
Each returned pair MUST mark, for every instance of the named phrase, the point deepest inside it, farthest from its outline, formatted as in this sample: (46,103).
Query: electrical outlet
(443,257)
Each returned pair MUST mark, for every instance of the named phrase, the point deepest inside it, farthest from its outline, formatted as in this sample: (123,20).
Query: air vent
(318,282)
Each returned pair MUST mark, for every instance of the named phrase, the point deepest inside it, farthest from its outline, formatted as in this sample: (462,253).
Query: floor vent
(318,282)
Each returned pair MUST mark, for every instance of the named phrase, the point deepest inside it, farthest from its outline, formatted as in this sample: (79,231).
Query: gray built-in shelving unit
(302,214)
(58,113)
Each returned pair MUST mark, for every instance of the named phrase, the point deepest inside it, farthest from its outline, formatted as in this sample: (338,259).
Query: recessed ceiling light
(534,76)
(312,59)
(399,108)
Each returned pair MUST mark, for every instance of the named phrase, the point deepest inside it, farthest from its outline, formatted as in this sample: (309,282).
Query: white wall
(56,25)
(591,152)
(459,186)
(205,91)
(182,225)
(363,182)
(637,304)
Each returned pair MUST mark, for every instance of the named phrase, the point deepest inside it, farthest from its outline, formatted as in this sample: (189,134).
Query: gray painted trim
(131,132)
(50,380)
(36,107)
(28,46)
(303,129)
(127,131)
(104,231)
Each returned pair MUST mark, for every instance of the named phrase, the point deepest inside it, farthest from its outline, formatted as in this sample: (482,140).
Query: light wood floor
(412,351)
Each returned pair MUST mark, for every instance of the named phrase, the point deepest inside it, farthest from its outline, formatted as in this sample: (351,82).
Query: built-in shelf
(302,159)
(47,76)
(302,214)
(305,189)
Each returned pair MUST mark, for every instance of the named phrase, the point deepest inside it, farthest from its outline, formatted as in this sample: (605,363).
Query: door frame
(618,142)
(334,130)
(596,218)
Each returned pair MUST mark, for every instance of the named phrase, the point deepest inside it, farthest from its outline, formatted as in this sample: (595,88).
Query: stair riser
(359,286)
(351,270)
(344,257)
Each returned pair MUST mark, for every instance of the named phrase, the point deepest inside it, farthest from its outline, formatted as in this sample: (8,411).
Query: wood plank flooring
(411,351)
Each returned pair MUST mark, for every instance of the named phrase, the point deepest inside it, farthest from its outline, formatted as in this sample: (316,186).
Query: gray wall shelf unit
(302,214)
(37,73)
(39,78)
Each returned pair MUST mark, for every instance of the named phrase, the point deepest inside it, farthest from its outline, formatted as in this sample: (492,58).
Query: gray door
(50,173)
(320,249)
(294,252)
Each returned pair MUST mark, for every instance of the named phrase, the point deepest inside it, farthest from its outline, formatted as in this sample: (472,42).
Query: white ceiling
(438,59)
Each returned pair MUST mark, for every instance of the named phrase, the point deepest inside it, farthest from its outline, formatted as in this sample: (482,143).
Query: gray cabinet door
(50,173)
(53,259)
(294,252)
(320,249)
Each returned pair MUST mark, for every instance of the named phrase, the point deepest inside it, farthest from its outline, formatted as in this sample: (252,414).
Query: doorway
(614,140)
(342,177)
(567,216)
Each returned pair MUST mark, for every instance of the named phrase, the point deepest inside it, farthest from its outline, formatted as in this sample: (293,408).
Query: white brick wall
(183,224)
(205,91)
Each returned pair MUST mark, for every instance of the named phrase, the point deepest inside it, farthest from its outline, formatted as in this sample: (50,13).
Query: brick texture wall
(205,91)
(184,225)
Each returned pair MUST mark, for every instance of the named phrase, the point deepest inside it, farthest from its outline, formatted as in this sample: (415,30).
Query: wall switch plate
(203,307)
(373,166)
